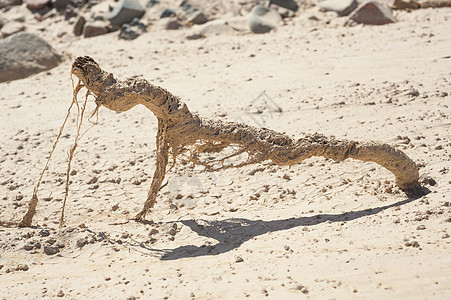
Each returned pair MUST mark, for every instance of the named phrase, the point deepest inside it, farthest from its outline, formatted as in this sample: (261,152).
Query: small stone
(23,54)
(60,294)
(428,180)
(37,4)
(94,29)
(78,30)
(29,245)
(239,259)
(405,5)
(125,12)
(341,7)
(152,3)
(44,233)
(173,24)
(373,13)
(93,180)
(22,268)
(198,18)
(193,13)
(421,227)
(6,3)
(288,4)
(263,19)
(69,12)
(51,250)
(61,4)
(167,12)
(82,242)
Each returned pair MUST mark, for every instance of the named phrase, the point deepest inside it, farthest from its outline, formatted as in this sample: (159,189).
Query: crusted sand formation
(180,131)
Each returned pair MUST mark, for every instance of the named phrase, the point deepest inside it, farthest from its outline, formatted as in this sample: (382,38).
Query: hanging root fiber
(28,218)
(183,133)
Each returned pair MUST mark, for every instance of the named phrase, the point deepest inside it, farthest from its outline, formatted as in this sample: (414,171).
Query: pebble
(125,12)
(94,29)
(421,227)
(263,19)
(373,13)
(51,250)
(288,4)
(239,259)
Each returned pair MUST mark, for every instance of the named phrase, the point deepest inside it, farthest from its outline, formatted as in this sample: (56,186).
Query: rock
(341,7)
(373,13)
(2,23)
(94,29)
(152,3)
(132,31)
(70,12)
(288,4)
(51,250)
(167,12)
(263,19)
(198,18)
(173,24)
(23,54)
(194,14)
(82,242)
(6,3)
(37,4)
(10,28)
(125,12)
(61,4)
(78,27)
(405,5)
(435,3)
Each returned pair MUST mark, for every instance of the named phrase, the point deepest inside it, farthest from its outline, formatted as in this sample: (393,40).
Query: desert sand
(316,230)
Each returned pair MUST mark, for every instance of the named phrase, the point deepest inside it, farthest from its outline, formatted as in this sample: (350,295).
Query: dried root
(180,131)
(28,218)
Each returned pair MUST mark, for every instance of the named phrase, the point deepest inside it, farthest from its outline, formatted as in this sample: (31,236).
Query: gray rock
(70,12)
(288,4)
(172,24)
(23,54)
(125,12)
(94,29)
(198,17)
(167,12)
(132,31)
(6,3)
(373,13)
(61,4)
(263,19)
(10,28)
(341,7)
(78,27)
(51,250)
(193,13)
(152,3)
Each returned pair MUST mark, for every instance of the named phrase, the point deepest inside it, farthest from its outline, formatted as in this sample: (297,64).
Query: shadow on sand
(232,233)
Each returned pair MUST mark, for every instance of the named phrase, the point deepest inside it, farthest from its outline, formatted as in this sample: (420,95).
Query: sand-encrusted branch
(179,131)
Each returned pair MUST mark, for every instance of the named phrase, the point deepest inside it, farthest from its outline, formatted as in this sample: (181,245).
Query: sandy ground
(318,230)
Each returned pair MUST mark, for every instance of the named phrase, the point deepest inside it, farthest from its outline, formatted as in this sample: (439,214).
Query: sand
(315,230)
